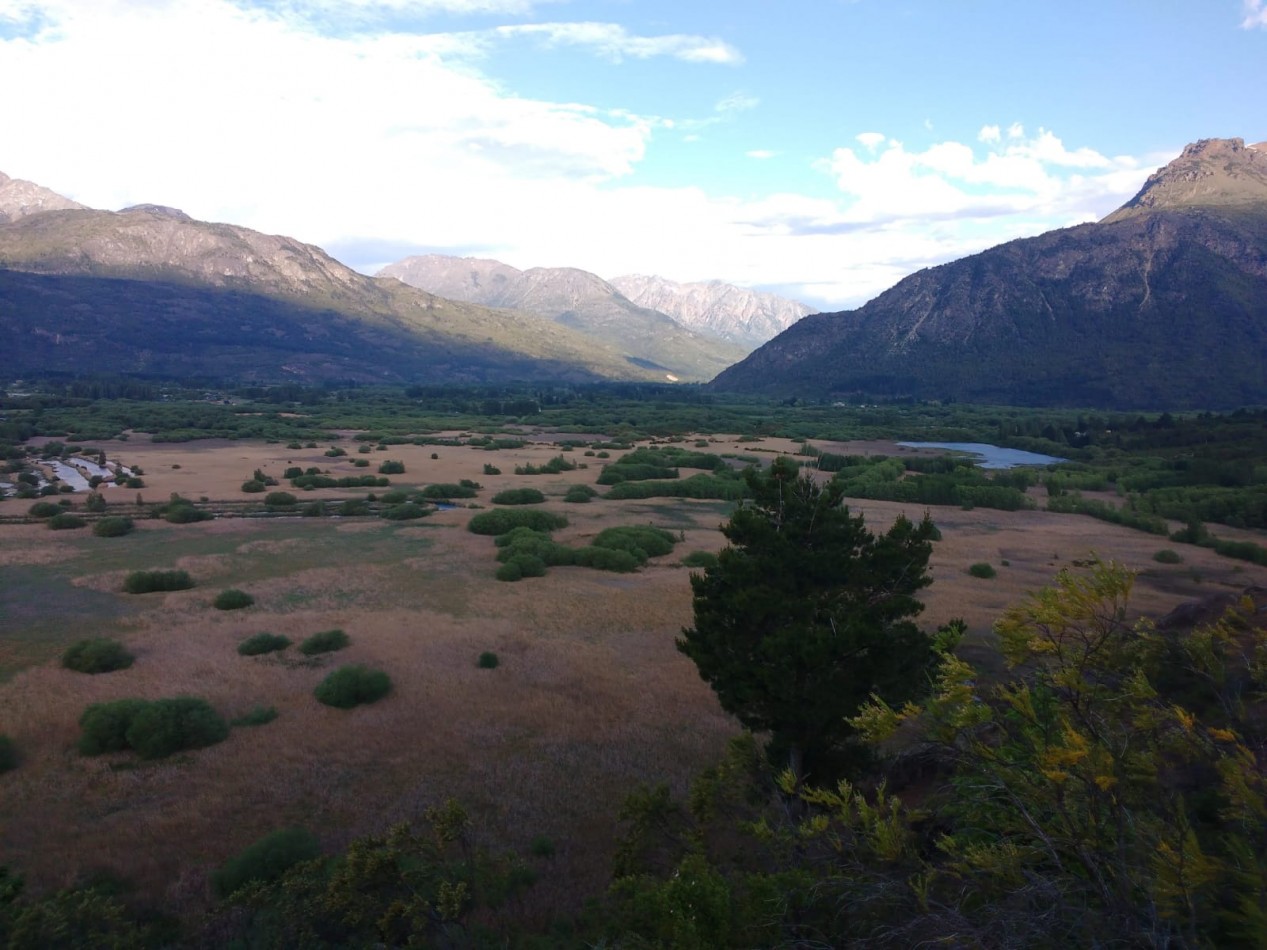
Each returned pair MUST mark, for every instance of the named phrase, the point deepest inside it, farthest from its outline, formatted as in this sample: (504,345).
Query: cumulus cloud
(760,153)
(1255,15)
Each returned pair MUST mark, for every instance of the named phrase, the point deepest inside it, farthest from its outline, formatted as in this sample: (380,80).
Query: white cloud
(614,42)
(989,133)
(1016,131)
(385,140)
(1255,15)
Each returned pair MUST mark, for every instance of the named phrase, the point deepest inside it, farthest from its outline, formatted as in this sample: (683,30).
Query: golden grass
(591,697)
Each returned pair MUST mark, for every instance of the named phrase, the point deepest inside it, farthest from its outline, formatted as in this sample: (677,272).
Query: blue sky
(820,148)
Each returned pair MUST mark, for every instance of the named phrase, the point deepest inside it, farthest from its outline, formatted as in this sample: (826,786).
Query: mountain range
(151,290)
(1163,303)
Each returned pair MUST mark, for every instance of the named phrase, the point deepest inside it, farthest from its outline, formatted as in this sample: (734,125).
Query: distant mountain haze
(694,330)
(1163,304)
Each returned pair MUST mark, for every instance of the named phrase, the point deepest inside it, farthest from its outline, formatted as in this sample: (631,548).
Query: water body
(989,456)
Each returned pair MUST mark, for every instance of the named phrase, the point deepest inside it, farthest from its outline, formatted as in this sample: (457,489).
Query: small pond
(989,456)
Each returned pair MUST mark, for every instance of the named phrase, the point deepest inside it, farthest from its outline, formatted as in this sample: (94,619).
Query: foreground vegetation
(1087,776)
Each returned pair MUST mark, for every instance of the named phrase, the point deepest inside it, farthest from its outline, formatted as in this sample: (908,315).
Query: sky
(820,149)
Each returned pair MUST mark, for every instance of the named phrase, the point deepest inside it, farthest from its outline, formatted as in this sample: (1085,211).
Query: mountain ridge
(1164,305)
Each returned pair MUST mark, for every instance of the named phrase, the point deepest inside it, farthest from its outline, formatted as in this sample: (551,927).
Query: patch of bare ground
(591,697)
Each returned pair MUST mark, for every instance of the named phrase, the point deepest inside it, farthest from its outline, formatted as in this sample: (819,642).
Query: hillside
(151,290)
(576,299)
(1161,304)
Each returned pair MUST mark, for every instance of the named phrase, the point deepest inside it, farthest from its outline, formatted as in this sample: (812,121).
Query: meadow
(588,700)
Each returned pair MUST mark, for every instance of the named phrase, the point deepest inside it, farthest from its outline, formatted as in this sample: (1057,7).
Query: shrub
(519,496)
(97,655)
(1167,556)
(266,860)
(392,467)
(145,582)
(253,487)
(45,509)
(134,482)
(353,507)
(641,541)
(519,566)
(701,559)
(491,469)
(293,472)
(166,726)
(447,490)
(280,499)
(113,527)
(232,599)
(503,520)
(314,509)
(259,716)
(406,512)
(186,513)
(8,754)
(351,686)
(104,726)
(579,494)
(260,643)
(488,660)
(327,641)
(982,569)
(397,496)
(65,521)
(606,559)
(335,452)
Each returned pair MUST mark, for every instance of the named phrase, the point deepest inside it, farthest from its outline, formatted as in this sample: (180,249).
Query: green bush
(392,467)
(580,494)
(351,686)
(280,499)
(1167,556)
(97,655)
(259,716)
(327,641)
(45,509)
(266,860)
(104,726)
(232,599)
(446,490)
(641,541)
(491,469)
(113,527)
(397,496)
(606,559)
(65,522)
(253,487)
(167,726)
(406,512)
(519,566)
(519,496)
(186,513)
(701,559)
(314,509)
(8,754)
(503,520)
(260,643)
(353,507)
(488,660)
(982,569)
(144,582)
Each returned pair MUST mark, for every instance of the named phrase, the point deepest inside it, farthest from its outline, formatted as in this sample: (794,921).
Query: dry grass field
(590,699)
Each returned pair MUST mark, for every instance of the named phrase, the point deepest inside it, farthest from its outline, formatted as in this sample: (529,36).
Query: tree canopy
(807,614)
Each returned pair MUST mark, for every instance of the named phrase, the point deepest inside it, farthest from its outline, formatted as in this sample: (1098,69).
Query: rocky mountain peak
(163,211)
(20,198)
(1208,173)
